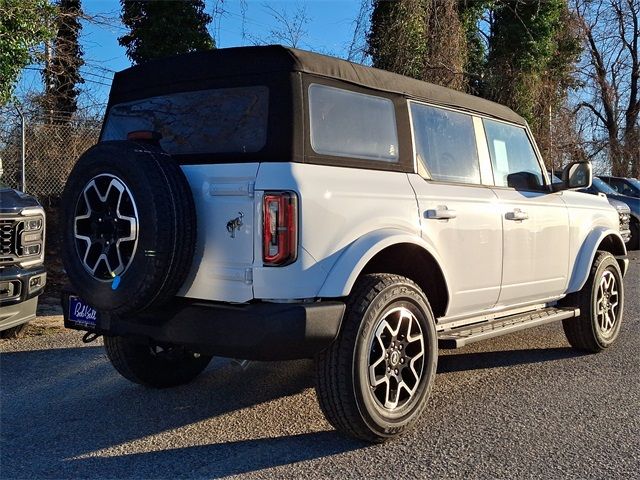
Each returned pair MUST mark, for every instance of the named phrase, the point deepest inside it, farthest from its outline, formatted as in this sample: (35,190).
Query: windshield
(602,187)
(224,120)
(635,183)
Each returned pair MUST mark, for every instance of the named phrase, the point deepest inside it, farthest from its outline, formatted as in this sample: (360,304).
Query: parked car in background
(624,212)
(22,273)
(624,186)
(600,186)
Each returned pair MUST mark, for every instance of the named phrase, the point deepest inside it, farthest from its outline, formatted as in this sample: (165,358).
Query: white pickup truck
(269,203)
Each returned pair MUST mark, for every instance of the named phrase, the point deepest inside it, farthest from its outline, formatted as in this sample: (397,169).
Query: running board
(461,336)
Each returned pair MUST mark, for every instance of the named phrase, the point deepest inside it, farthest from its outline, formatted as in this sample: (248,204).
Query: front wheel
(601,302)
(154,365)
(374,380)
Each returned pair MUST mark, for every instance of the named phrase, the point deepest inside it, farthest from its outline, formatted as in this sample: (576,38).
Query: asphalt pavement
(520,406)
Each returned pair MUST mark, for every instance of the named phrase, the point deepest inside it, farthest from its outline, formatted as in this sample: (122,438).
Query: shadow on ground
(59,406)
(480,360)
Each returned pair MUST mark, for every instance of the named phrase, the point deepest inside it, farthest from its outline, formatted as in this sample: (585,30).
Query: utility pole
(22,125)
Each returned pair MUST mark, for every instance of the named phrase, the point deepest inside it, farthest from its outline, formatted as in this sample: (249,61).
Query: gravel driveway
(520,406)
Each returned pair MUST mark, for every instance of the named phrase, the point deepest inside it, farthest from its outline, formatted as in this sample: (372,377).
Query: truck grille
(625,219)
(7,241)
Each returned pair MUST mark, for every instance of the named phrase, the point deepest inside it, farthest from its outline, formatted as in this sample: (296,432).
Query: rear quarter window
(351,124)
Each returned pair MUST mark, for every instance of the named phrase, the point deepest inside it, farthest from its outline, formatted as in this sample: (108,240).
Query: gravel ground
(520,406)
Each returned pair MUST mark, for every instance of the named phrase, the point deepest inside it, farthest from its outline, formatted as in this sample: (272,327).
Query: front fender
(587,253)
(356,256)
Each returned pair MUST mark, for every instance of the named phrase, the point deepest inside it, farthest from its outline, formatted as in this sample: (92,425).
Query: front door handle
(517,215)
(441,212)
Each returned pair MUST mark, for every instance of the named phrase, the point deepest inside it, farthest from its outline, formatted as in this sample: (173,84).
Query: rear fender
(355,257)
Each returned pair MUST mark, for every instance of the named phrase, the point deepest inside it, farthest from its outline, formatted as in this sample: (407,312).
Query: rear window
(224,120)
(350,124)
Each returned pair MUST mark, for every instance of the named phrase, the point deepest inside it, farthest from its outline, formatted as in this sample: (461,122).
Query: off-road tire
(340,386)
(634,241)
(137,362)
(583,332)
(166,232)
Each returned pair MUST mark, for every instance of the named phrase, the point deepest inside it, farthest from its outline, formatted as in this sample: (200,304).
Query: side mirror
(575,175)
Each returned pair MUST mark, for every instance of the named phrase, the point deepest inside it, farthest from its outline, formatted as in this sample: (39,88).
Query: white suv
(268,203)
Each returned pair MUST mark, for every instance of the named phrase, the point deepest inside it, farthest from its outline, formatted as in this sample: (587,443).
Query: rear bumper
(260,331)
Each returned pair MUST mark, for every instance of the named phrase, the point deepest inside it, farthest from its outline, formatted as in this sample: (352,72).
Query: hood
(12,201)
(632,202)
(618,205)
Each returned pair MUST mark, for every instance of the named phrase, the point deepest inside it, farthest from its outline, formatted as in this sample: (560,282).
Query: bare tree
(291,28)
(611,75)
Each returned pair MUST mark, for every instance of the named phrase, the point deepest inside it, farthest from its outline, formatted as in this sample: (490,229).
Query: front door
(535,221)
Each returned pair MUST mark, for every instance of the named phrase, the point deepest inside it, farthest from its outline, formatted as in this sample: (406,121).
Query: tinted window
(226,120)
(350,124)
(601,186)
(445,144)
(624,187)
(514,161)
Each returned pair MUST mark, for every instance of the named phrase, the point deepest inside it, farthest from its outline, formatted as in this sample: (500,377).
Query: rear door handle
(517,215)
(441,212)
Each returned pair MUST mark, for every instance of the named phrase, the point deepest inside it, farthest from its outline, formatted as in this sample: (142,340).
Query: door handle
(441,212)
(517,215)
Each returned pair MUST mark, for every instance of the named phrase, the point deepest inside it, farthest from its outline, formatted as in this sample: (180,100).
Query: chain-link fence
(51,151)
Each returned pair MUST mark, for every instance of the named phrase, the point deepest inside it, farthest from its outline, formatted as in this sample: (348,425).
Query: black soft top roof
(191,68)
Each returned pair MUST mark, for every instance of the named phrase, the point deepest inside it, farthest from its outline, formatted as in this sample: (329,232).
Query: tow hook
(90,337)
(243,364)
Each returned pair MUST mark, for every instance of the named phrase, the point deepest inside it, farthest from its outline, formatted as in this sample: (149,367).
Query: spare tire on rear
(129,227)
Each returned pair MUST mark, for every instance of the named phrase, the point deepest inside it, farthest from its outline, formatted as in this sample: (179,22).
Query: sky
(329,30)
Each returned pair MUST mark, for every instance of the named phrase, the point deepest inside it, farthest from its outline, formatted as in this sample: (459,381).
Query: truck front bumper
(19,289)
(257,331)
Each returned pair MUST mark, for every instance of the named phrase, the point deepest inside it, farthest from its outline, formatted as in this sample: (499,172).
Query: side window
(445,144)
(350,124)
(513,159)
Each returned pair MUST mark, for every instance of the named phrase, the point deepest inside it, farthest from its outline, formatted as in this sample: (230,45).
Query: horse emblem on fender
(235,224)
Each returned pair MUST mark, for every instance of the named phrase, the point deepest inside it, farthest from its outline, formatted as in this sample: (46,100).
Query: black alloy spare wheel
(129,227)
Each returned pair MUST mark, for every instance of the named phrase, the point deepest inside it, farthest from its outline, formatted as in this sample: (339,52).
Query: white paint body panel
(535,262)
(470,245)
(348,215)
(222,265)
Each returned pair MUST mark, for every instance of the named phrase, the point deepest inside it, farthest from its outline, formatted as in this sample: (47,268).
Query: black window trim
(402,129)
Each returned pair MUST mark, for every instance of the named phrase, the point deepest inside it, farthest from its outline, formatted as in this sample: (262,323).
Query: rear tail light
(279,228)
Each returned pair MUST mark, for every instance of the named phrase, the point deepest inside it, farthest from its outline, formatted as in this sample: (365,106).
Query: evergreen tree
(423,39)
(163,28)
(62,69)
(24,24)
(521,46)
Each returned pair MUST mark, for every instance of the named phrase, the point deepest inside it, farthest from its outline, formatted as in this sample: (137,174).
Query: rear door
(226,216)
(535,221)
(457,211)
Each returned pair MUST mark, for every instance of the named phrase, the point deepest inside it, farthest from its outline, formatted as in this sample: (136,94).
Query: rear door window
(224,120)
(445,144)
(351,124)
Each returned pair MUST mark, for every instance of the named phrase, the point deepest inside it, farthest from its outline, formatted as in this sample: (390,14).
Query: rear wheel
(601,302)
(154,365)
(374,380)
